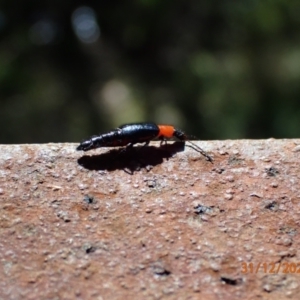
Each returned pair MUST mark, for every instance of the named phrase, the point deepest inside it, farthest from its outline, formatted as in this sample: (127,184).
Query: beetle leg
(129,146)
(163,140)
(124,149)
(144,145)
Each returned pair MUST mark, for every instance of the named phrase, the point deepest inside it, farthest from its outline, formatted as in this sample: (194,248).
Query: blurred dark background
(217,69)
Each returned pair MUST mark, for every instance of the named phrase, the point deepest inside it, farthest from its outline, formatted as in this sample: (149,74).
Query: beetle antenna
(197,148)
(200,150)
(183,137)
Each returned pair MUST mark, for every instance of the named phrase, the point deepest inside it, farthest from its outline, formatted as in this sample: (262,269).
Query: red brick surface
(158,223)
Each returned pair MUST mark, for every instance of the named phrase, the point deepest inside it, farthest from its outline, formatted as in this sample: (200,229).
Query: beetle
(130,134)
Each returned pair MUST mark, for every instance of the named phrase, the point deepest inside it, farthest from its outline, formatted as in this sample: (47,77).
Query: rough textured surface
(158,223)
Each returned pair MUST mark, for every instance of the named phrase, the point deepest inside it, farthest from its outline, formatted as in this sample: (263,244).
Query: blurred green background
(217,69)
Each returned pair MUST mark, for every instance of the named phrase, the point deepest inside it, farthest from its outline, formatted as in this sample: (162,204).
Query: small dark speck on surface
(231,281)
(272,206)
(272,171)
(88,248)
(159,269)
(88,199)
(202,209)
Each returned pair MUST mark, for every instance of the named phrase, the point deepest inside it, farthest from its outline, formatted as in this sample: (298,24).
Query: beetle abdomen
(139,132)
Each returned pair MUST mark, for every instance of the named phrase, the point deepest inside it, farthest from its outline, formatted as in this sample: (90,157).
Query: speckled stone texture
(151,223)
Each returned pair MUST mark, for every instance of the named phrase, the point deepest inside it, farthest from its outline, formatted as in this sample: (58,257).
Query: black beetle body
(127,134)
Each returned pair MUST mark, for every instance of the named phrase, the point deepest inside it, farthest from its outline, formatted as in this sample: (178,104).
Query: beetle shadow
(131,159)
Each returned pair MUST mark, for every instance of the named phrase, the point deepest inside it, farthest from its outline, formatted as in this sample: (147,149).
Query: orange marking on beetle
(166,131)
